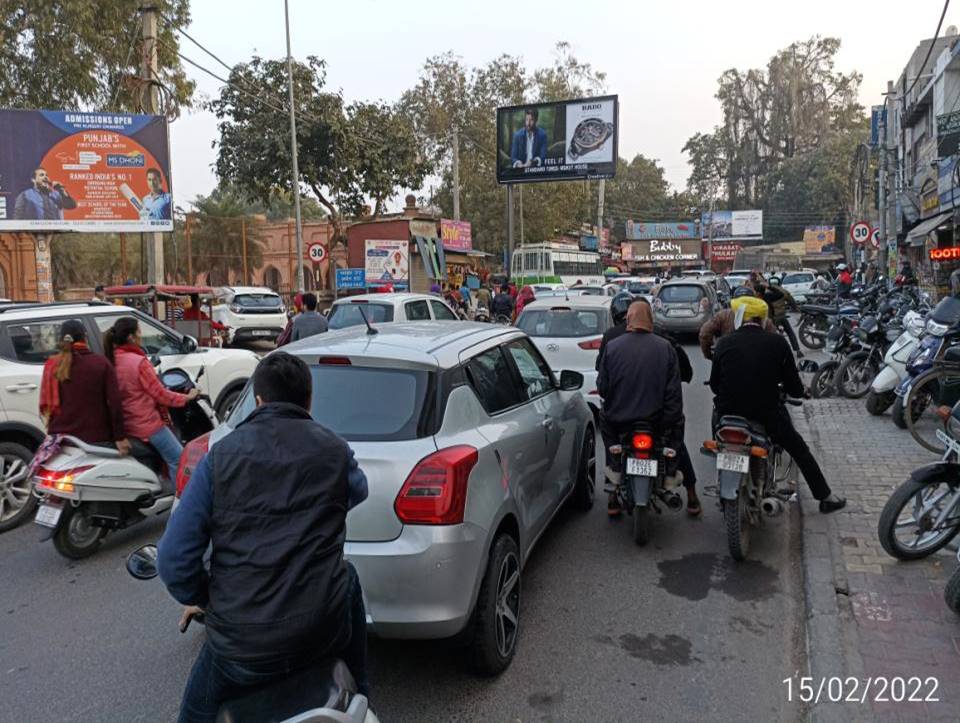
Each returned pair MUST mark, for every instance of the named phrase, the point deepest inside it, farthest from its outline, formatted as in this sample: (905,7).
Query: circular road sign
(860,232)
(875,238)
(317,252)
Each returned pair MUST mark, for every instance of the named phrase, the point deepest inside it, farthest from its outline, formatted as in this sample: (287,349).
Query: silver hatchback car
(470,446)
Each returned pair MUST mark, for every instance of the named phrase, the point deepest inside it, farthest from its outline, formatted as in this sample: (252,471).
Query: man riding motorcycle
(780,300)
(723,323)
(639,381)
(844,280)
(749,369)
(502,304)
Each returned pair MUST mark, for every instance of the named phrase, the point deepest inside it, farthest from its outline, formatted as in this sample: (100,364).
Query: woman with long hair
(79,394)
(144,398)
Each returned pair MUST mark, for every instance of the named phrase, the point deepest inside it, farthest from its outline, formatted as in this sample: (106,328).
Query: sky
(662,58)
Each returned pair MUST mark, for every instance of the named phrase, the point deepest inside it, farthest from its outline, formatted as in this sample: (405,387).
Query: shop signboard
(565,140)
(86,172)
(819,239)
(726,251)
(948,134)
(387,262)
(731,225)
(351,278)
(588,243)
(950,253)
(660,230)
(456,235)
(665,252)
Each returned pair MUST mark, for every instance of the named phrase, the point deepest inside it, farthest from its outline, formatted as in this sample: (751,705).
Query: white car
(597,290)
(798,283)
(568,333)
(384,308)
(250,313)
(29,335)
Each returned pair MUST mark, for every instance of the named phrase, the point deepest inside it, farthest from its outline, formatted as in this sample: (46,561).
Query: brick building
(18,266)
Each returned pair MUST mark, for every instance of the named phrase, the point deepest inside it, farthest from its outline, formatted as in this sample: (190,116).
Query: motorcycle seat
(732,420)
(326,685)
(825,309)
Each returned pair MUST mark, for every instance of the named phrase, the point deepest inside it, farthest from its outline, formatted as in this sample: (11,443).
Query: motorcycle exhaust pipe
(771,506)
(672,500)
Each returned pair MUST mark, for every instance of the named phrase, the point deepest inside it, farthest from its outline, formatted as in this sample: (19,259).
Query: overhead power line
(933,43)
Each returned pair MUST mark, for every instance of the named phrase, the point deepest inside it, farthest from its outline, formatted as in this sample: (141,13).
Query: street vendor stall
(184,308)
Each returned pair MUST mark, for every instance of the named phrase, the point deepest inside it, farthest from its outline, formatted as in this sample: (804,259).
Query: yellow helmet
(748,307)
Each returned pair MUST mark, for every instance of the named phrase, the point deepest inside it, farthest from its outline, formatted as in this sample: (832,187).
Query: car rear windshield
(345,315)
(681,294)
(362,404)
(797,279)
(563,322)
(638,288)
(254,301)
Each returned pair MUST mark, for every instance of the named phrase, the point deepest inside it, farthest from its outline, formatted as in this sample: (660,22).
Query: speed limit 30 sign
(860,232)
(317,252)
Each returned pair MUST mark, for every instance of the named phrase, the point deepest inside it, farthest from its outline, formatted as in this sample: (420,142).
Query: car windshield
(254,301)
(562,322)
(797,279)
(361,404)
(638,288)
(346,315)
(681,294)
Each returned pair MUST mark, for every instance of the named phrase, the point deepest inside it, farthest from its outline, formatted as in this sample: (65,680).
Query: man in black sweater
(749,367)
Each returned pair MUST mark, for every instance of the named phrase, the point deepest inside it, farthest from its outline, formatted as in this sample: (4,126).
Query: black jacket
(278,581)
(639,380)
(501,304)
(749,366)
(686,369)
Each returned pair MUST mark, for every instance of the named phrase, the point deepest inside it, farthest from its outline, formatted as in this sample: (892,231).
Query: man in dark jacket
(502,304)
(272,498)
(749,368)
(309,322)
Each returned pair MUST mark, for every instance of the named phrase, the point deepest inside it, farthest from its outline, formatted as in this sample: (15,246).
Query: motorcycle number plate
(948,441)
(49,514)
(642,467)
(733,462)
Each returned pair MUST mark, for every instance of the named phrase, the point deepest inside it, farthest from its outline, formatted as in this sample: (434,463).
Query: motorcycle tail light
(192,453)
(435,493)
(641,441)
(591,345)
(733,435)
(59,480)
(758,452)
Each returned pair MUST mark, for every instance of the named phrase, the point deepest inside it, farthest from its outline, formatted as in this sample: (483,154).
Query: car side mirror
(142,562)
(189,345)
(570,381)
(155,360)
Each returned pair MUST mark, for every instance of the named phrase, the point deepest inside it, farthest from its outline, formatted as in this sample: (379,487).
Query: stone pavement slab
(869,616)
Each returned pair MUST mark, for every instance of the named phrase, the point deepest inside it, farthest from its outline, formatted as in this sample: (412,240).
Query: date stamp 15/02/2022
(808,689)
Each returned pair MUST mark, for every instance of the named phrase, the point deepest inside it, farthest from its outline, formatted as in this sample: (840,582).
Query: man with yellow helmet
(750,366)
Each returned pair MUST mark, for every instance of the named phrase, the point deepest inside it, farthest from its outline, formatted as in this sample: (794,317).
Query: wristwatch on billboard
(589,135)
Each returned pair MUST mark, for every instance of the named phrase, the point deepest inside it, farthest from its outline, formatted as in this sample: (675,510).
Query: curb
(831,646)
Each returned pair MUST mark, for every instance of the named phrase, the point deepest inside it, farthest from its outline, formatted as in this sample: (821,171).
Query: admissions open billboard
(71,171)
(568,140)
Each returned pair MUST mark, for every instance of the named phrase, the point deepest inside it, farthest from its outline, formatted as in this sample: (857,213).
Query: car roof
(686,282)
(35,310)
(393,297)
(427,343)
(249,290)
(578,302)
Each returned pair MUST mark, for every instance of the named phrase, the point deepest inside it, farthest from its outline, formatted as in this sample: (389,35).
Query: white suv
(383,308)
(28,336)
(250,313)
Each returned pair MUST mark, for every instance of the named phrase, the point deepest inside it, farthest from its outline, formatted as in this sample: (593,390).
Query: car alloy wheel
(508,604)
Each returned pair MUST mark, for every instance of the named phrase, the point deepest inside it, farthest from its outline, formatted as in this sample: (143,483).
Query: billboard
(667,252)
(387,262)
(562,141)
(732,225)
(642,230)
(819,239)
(456,235)
(725,251)
(87,172)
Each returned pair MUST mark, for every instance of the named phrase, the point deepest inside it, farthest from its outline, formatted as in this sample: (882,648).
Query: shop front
(927,249)
(655,255)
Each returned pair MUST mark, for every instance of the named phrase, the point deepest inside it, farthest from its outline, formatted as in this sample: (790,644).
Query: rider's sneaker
(832,504)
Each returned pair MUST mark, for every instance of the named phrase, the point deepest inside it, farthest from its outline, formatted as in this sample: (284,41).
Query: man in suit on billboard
(44,200)
(529,147)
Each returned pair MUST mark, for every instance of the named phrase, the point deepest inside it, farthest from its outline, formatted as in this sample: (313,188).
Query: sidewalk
(869,615)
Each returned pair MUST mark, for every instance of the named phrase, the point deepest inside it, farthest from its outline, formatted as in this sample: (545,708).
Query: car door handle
(547,423)
(21,387)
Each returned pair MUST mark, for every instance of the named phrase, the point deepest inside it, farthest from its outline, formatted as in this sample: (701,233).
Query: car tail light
(733,435)
(60,480)
(334,360)
(642,442)
(189,459)
(236,308)
(591,345)
(435,492)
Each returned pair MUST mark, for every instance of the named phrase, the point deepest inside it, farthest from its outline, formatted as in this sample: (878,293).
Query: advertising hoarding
(726,251)
(666,252)
(642,230)
(561,141)
(456,235)
(819,239)
(387,262)
(732,225)
(86,172)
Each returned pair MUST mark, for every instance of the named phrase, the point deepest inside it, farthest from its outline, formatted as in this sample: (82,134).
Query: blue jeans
(169,448)
(215,680)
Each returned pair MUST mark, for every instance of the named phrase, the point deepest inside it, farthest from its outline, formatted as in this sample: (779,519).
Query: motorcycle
(749,468)
(482,314)
(883,389)
(325,693)
(840,341)
(86,491)
(858,370)
(643,481)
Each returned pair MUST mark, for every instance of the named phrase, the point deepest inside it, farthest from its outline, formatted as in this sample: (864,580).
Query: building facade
(18,267)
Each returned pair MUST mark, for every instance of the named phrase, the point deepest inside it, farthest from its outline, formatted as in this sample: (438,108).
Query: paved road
(611,631)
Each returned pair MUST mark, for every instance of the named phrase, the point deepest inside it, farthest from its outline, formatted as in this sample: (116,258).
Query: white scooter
(86,490)
(882,392)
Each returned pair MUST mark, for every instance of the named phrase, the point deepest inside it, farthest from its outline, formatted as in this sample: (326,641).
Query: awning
(918,234)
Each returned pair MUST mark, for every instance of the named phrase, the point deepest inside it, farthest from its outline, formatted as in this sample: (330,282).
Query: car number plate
(642,467)
(49,514)
(260,332)
(733,462)
(680,312)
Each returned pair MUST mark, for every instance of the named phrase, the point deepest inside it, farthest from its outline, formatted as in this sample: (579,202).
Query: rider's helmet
(748,308)
(742,291)
(841,267)
(619,305)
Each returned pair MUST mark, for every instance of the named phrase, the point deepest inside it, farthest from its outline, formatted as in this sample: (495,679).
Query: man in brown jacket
(723,323)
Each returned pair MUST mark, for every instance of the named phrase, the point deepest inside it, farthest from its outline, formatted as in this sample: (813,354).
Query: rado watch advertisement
(567,140)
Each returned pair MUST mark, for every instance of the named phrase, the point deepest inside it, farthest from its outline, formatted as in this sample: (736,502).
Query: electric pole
(151,106)
(509,228)
(293,150)
(600,192)
(882,180)
(455,140)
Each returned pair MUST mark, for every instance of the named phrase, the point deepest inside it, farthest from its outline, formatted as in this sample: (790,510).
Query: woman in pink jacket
(143,397)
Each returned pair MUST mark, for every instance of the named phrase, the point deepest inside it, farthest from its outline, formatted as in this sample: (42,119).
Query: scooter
(86,491)
(325,693)
(883,389)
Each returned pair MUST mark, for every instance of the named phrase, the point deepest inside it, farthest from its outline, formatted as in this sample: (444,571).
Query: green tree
(639,191)
(82,54)
(217,228)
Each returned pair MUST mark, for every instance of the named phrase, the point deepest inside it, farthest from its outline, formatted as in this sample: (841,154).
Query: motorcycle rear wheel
(951,595)
(878,403)
(856,374)
(641,524)
(738,527)
(76,538)
(892,518)
(822,385)
(811,341)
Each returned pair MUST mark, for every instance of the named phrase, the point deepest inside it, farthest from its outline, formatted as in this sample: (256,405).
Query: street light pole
(293,149)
